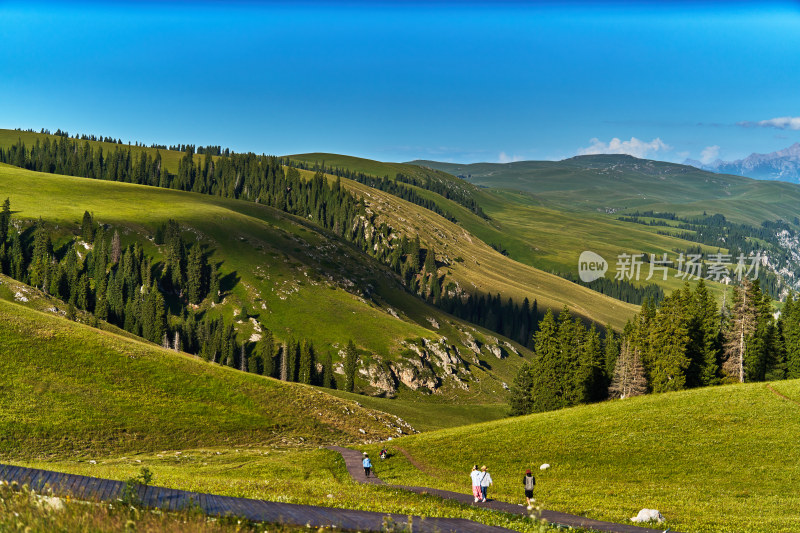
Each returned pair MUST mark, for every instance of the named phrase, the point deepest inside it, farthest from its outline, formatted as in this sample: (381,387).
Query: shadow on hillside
(228,282)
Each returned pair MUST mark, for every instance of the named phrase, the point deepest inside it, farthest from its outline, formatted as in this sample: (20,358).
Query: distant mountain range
(783,165)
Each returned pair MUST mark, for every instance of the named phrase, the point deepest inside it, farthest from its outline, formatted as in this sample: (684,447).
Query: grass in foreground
(23,510)
(716,459)
(292,475)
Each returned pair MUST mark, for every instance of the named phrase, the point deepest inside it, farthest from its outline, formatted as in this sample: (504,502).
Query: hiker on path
(486,482)
(476,483)
(367,464)
(528,481)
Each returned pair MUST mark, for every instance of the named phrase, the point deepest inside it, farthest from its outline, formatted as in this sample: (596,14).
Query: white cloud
(709,154)
(634,147)
(505,158)
(781,123)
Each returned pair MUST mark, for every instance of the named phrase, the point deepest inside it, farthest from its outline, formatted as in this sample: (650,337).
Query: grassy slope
(170,158)
(69,389)
(599,183)
(380,169)
(427,416)
(715,459)
(74,399)
(291,273)
(485,270)
(532,232)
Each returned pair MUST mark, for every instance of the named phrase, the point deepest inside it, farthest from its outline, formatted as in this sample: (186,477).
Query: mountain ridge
(781,165)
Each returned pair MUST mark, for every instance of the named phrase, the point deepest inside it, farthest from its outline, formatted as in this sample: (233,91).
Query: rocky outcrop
(449,362)
(380,377)
(415,377)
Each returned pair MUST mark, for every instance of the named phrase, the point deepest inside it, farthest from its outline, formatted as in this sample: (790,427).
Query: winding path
(352,459)
(97,489)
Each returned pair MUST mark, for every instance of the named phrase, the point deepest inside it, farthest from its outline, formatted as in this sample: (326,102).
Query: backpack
(530,481)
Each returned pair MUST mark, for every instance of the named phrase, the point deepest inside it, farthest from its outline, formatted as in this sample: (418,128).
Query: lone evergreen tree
(87,227)
(350,366)
(5,220)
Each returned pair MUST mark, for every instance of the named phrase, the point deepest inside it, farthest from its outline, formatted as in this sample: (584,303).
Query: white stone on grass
(648,515)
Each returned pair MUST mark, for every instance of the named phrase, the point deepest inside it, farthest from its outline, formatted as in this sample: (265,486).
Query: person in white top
(476,483)
(486,481)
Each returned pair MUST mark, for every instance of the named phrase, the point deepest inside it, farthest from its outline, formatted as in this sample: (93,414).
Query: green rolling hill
(295,279)
(714,459)
(536,200)
(720,459)
(614,183)
(69,390)
(535,232)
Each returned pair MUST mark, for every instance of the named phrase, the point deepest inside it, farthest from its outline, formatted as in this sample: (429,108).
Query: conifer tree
(42,256)
(194,275)
(116,248)
(16,260)
(703,324)
(82,293)
(307,364)
(740,330)
(430,261)
(87,227)
(669,339)
(612,347)
(328,380)
(548,368)
(284,368)
(590,375)
(629,377)
(5,220)
(214,290)
(350,366)
(292,360)
(159,316)
(267,346)
(520,398)
(790,329)
(255,362)
(243,358)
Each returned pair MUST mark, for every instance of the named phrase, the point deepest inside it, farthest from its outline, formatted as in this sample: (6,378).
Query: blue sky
(453,81)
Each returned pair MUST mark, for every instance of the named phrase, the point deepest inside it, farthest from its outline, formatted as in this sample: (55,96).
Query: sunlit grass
(715,459)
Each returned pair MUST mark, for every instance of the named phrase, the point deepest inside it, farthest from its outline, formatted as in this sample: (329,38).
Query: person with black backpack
(528,481)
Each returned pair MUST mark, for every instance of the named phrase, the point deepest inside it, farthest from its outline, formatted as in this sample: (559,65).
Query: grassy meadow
(534,232)
(476,267)
(70,390)
(720,459)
